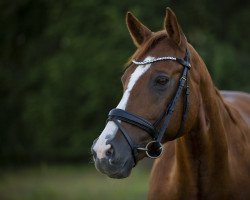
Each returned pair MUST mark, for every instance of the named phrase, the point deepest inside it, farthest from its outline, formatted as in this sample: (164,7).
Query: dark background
(61,62)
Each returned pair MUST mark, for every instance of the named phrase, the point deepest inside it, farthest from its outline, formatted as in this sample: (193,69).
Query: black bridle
(154,148)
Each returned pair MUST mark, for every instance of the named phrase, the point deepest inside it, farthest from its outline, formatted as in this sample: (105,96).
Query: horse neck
(202,152)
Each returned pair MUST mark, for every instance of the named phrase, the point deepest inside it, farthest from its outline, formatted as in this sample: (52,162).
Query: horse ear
(137,30)
(173,28)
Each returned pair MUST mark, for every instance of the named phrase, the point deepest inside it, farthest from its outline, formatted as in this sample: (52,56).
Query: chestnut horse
(169,98)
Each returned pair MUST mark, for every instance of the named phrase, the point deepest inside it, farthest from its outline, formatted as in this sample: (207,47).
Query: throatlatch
(154,148)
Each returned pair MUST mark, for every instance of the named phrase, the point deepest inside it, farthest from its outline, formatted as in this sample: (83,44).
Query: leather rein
(154,148)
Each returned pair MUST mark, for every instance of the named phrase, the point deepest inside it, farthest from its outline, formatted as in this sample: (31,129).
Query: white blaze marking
(110,130)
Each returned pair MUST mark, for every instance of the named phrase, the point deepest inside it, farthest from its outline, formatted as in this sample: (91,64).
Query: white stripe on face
(110,130)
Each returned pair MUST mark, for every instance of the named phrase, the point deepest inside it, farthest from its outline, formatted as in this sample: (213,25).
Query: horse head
(159,102)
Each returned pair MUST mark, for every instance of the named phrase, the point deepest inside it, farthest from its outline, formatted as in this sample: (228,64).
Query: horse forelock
(146,46)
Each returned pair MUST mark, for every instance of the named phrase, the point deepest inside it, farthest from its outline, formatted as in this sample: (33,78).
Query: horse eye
(161,80)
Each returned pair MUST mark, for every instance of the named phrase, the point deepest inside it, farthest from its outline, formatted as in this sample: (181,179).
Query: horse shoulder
(238,104)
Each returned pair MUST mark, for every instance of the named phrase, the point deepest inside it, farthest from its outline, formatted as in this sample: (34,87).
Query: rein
(154,148)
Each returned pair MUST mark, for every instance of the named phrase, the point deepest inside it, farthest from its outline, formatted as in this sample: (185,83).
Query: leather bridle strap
(185,112)
(136,120)
(128,139)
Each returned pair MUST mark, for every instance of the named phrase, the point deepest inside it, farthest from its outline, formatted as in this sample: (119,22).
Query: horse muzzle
(114,164)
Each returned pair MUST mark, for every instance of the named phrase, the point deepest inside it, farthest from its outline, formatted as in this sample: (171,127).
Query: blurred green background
(60,68)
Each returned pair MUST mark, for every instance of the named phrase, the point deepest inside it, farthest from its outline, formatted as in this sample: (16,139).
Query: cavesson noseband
(154,148)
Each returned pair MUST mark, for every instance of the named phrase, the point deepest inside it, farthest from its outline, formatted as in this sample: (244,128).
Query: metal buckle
(183,78)
(153,149)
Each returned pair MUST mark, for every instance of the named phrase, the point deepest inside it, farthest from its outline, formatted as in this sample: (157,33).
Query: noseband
(154,148)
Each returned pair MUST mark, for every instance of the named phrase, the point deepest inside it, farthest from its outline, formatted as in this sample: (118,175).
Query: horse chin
(113,171)
(120,175)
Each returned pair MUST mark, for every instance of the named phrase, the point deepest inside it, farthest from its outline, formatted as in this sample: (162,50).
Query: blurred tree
(61,62)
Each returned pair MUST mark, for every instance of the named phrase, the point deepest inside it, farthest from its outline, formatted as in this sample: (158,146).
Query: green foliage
(61,62)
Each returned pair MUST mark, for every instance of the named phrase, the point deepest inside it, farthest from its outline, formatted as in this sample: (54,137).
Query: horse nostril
(110,152)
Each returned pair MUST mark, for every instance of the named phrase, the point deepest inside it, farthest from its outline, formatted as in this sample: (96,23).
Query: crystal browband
(154,60)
